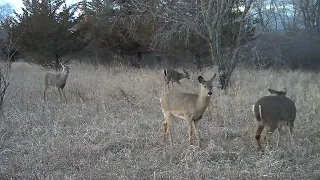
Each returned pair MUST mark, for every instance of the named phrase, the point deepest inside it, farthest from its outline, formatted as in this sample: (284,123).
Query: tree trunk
(96,59)
(229,68)
(197,59)
(57,63)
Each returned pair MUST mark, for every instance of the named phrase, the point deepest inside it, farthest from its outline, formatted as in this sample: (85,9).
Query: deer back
(56,79)
(275,108)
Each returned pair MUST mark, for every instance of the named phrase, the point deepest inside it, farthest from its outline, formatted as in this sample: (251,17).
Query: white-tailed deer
(56,80)
(171,75)
(186,106)
(274,112)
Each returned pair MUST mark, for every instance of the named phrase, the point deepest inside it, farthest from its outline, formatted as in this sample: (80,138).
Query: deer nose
(209,93)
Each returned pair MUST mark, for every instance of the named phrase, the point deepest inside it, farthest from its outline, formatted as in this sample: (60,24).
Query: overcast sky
(17,4)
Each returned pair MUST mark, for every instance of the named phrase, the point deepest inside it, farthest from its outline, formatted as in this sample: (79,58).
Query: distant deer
(171,75)
(274,111)
(57,80)
(186,106)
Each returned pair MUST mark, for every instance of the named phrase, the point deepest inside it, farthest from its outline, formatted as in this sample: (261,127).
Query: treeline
(214,30)
(52,29)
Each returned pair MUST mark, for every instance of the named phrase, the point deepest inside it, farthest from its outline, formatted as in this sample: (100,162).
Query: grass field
(111,128)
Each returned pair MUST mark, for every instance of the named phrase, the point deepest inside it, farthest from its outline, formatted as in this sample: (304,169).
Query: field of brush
(111,127)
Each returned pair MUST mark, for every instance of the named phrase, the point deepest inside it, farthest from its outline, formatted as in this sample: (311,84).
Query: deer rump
(272,109)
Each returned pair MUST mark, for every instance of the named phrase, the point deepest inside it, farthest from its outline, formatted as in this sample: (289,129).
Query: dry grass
(111,128)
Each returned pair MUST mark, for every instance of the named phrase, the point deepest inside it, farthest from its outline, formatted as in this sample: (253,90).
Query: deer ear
(272,91)
(201,80)
(214,76)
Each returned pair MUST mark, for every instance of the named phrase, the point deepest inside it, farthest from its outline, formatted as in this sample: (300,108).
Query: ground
(111,127)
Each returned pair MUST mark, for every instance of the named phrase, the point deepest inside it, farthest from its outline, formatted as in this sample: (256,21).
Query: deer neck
(203,99)
(64,75)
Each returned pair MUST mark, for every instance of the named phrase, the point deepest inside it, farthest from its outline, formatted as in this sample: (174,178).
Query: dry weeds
(111,128)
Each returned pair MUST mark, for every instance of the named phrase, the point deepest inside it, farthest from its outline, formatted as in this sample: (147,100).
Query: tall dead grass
(111,128)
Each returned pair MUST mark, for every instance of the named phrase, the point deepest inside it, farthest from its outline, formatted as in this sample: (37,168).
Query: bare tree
(7,50)
(310,12)
(4,83)
(5,66)
(180,20)
(5,11)
(276,14)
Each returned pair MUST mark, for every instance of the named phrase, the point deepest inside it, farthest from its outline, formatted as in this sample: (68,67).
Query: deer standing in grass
(186,106)
(171,75)
(274,112)
(57,80)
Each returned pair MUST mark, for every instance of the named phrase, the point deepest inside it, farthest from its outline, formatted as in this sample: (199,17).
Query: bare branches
(179,21)
(4,83)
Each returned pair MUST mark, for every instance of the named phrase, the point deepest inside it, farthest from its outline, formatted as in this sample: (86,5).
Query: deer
(56,80)
(171,75)
(189,107)
(274,111)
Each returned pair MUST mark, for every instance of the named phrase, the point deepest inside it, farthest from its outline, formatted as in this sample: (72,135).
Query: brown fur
(274,112)
(187,106)
(171,75)
(56,80)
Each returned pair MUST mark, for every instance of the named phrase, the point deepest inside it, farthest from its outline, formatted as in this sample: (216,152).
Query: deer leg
(60,93)
(265,138)
(171,85)
(44,92)
(196,127)
(291,133)
(190,125)
(168,83)
(167,130)
(268,134)
(259,130)
(270,131)
(279,135)
(178,82)
(64,95)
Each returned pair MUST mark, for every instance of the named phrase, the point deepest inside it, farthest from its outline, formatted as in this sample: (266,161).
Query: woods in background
(216,32)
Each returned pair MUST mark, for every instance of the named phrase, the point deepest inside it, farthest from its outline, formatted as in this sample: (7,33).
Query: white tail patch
(165,72)
(253,108)
(260,112)
(278,111)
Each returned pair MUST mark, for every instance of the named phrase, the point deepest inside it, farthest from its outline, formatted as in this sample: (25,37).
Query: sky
(17,4)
